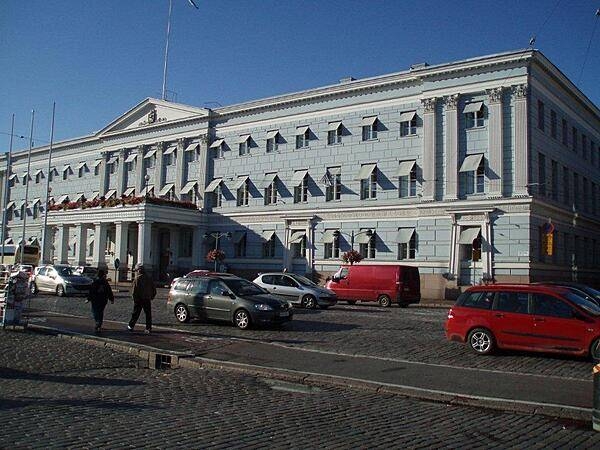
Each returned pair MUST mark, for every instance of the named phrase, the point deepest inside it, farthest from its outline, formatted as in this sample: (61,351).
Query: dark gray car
(227,298)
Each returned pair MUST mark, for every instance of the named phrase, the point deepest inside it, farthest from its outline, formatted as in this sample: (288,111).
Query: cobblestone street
(61,393)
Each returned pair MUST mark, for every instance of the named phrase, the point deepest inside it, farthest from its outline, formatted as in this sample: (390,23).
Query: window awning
(132,157)
(113,160)
(54,171)
(81,165)
(404,235)
(267,235)
(217,143)
(109,193)
(39,171)
(297,237)
(8,241)
(268,180)
(471,163)
(365,171)
(13,176)
(334,170)
(78,197)
(66,167)
(271,134)
(472,107)
(166,188)
(129,191)
(368,121)
(97,163)
(21,204)
(94,195)
(407,116)
(240,181)
(63,198)
(170,150)
(150,154)
(35,201)
(363,238)
(10,205)
(192,147)
(328,237)
(405,168)
(33,241)
(238,236)
(468,235)
(301,130)
(298,177)
(333,126)
(212,186)
(147,190)
(188,187)
(243,138)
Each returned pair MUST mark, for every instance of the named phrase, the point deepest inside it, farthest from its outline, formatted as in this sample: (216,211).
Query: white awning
(334,170)
(328,237)
(188,187)
(365,171)
(114,159)
(10,205)
(129,191)
(192,147)
(33,240)
(97,163)
(147,190)
(78,197)
(35,201)
(66,167)
(301,130)
(243,138)
(81,165)
(39,171)
(333,126)
(405,168)
(468,235)
(298,177)
(170,150)
(94,195)
(217,143)
(271,134)
(240,181)
(267,235)
(150,154)
(212,186)
(297,237)
(238,236)
(268,179)
(62,198)
(13,176)
(407,116)
(21,204)
(132,157)
(25,174)
(368,121)
(404,235)
(109,193)
(362,238)
(471,163)
(167,187)
(472,107)
(8,241)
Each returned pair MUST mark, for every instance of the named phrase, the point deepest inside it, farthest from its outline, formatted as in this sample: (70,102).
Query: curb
(160,359)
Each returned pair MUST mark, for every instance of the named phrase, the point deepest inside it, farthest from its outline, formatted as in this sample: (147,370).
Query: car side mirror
(335,279)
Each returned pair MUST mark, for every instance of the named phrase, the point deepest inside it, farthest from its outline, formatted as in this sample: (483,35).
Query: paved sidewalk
(57,393)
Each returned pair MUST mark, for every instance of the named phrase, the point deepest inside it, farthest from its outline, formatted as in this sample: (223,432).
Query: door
(287,289)
(217,305)
(196,291)
(40,278)
(511,321)
(164,244)
(271,284)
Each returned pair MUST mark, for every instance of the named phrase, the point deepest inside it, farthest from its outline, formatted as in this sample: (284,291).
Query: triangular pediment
(152,112)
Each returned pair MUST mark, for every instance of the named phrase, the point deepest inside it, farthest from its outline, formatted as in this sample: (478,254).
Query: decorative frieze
(520,91)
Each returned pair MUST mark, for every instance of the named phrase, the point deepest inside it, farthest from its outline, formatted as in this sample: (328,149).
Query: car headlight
(67,282)
(290,305)
(263,307)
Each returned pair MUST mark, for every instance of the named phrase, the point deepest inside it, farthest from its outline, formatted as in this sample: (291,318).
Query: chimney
(346,80)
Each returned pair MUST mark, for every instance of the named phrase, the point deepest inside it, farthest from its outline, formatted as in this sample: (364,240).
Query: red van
(385,284)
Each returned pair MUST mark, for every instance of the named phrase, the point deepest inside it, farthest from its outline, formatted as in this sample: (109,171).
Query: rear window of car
(479,300)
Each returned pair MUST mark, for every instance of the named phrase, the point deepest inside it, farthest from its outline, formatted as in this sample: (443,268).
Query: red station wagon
(525,317)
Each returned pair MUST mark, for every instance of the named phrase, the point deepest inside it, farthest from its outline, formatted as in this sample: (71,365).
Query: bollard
(596,399)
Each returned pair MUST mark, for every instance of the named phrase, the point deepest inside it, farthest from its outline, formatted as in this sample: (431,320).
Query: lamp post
(217,235)
(352,235)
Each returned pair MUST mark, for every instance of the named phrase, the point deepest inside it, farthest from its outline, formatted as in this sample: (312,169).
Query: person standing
(142,293)
(99,295)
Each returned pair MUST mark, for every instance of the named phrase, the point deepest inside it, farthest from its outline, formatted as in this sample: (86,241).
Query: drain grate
(162,361)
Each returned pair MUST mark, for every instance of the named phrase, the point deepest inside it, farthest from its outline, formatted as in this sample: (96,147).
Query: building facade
(482,169)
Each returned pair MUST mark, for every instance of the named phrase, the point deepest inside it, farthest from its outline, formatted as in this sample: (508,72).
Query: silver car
(61,280)
(296,289)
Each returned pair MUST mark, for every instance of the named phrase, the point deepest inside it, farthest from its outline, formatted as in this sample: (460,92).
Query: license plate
(284,314)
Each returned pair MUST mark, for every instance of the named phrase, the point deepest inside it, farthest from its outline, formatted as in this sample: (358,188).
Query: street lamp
(352,235)
(217,235)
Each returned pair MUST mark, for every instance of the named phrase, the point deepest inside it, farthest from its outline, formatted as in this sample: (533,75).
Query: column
(310,248)
(103,174)
(159,176)
(139,171)
(81,240)
(429,149)
(62,247)
(487,248)
(204,169)
(451,176)
(47,240)
(121,245)
(287,261)
(197,246)
(179,166)
(496,142)
(145,244)
(173,250)
(99,258)
(121,180)
(521,162)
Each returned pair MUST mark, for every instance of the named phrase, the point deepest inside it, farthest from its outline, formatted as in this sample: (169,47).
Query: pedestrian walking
(99,295)
(142,293)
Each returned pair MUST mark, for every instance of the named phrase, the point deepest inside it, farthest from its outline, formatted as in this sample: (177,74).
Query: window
(9,213)
(35,210)
(271,193)
(302,137)
(168,159)
(479,300)
(38,177)
(564,132)
(408,124)
(333,183)
(576,189)
(239,246)
(407,179)
(472,172)
(514,302)
(242,194)
(474,115)
(368,182)
(574,131)
(566,183)
(554,192)
(244,145)
(301,191)
(331,243)
(370,128)
(268,246)
(367,245)
(272,141)
(546,305)
(299,248)
(185,242)
(541,122)
(334,133)
(219,146)
(586,194)
(541,174)
(553,123)
(66,172)
(407,243)
(218,196)
(584,148)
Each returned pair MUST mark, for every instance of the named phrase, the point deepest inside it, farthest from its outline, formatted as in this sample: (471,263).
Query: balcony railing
(102,202)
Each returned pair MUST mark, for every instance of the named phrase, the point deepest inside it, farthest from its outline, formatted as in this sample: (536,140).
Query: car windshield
(243,287)
(302,280)
(64,271)
(593,292)
(590,307)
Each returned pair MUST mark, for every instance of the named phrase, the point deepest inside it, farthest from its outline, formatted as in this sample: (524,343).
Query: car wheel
(309,302)
(351,302)
(241,319)
(384,300)
(182,314)
(595,351)
(481,341)
(34,289)
(60,290)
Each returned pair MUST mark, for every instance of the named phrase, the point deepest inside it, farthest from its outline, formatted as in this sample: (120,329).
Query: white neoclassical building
(461,169)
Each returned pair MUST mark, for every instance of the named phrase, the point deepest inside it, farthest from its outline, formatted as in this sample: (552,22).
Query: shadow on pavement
(13,374)
(23,402)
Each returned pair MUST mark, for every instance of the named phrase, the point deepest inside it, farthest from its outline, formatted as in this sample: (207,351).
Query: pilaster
(429,146)
(521,157)
(180,166)
(451,148)
(145,244)
(139,170)
(99,257)
(121,178)
(62,247)
(495,136)
(121,245)
(159,176)
(103,174)
(81,240)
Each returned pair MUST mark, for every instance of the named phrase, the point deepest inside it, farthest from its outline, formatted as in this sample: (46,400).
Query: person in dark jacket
(99,295)
(142,293)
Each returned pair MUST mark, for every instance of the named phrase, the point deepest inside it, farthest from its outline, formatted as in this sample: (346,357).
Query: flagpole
(5,195)
(22,244)
(164,86)
(44,229)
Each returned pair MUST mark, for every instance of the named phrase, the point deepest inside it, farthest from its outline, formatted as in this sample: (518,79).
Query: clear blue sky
(99,58)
